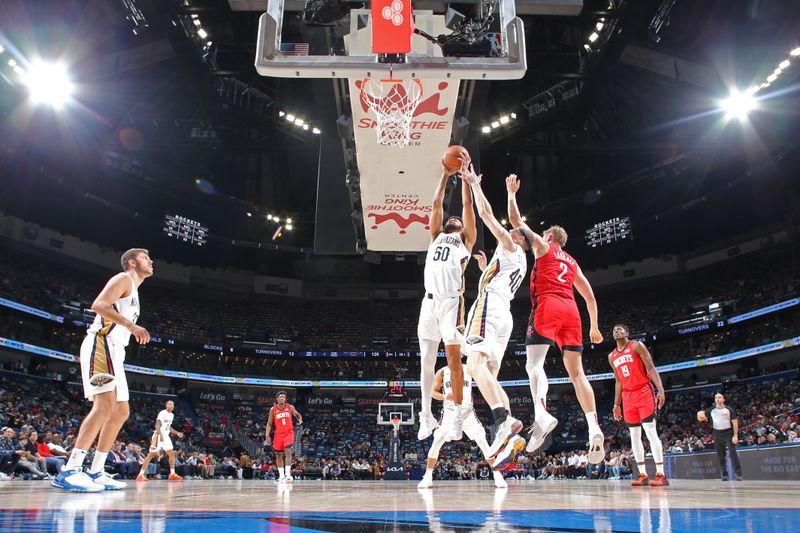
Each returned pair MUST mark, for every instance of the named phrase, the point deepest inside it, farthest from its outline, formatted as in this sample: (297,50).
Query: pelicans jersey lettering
(127,307)
(445,264)
(504,273)
(447,388)
(166,419)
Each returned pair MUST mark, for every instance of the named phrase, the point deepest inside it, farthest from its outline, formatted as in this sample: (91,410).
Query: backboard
(387,411)
(505,58)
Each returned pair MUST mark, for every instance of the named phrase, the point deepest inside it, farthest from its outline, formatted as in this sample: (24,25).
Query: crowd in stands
(38,431)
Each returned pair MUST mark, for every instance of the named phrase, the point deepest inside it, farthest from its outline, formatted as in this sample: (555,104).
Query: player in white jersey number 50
(441,316)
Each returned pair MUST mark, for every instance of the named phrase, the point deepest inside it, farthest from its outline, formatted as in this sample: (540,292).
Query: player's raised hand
(140,334)
(662,399)
(512,183)
(480,257)
(595,336)
(468,175)
(617,413)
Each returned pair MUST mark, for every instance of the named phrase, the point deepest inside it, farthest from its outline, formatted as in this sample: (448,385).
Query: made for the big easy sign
(397,184)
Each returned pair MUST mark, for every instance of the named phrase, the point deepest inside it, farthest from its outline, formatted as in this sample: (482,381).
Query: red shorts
(555,321)
(281,441)
(639,405)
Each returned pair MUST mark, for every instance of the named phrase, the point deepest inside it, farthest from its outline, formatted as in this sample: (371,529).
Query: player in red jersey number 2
(554,321)
(635,374)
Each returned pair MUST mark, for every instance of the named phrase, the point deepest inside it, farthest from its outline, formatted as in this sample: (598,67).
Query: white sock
(99,462)
(280,473)
(172,470)
(76,459)
(288,469)
(591,419)
(429,472)
(428,349)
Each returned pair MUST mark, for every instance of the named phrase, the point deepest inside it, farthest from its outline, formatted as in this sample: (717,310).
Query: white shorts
(102,367)
(441,319)
(164,444)
(471,426)
(489,327)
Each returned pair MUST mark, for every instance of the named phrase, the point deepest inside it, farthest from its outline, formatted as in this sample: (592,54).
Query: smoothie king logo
(401,209)
(428,106)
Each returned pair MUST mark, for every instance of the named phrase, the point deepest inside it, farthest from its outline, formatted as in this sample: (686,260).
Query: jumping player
(281,415)
(161,440)
(102,357)
(554,321)
(441,316)
(635,374)
(453,426)
(490,324)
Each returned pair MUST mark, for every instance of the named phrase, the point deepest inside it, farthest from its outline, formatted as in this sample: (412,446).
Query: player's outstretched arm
(468,216)
(436,393)
(437,214)
(116,288)
(485,210)
(585,290)
(540,247)
(644,354)
(297,415)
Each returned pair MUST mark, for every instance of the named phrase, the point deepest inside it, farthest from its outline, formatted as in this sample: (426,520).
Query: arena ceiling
(154,112)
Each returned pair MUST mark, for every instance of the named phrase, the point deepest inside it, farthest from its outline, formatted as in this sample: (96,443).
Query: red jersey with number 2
(553,274)
(629,368)
(283,419)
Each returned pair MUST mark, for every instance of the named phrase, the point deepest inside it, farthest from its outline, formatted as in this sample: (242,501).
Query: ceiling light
(784,64)
(587,47)
(772,77)
(504,119)
(19,70)
(202,33)
(12,63)
(593,37)
(316,131)
(599,26)
(290,117)
(305,127)
(209,43)
(795,52)
(514,116)
(738,105)
(281,113)
(289,227)
(495,124)
(524,219)
(194,15)
(777,70)
(269,216)
(288,220)
(486,129)
(197,22)
(503,222)
(2,49)
(249,214)
(299,121)
(48,83)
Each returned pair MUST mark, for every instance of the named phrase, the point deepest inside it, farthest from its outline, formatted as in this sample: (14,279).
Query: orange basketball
(453,156)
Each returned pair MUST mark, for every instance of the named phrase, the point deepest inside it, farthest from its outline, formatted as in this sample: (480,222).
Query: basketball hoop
(396,424)
(393,101)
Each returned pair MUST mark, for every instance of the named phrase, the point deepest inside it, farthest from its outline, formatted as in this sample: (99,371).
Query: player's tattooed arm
(437,214)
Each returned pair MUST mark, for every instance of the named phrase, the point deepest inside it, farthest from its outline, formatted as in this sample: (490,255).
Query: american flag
(294,49)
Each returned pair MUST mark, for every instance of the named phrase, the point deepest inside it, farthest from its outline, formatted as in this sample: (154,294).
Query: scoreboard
(185,230)
(609,231)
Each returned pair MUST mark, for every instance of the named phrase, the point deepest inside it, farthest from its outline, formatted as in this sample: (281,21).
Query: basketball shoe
(499,480)
(659,481)
(427,482)
(175,477)
(544,424)
(106,481)
(510,427)
(75,481)
(641,480)
(427,423)
(597,451)
(141,477)
(509,452)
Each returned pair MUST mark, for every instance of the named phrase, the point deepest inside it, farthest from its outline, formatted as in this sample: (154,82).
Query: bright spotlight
(795,52)
(514,116)
(290,117)
(738,105)
(504,119)
(316,131)
(784,64)
(202,33)
(593,37)
(299,121)
(486,129)
(772,77)
(2,49)
(48,83)
(495,124)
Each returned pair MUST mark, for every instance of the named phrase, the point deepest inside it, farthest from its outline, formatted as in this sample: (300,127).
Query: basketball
(453,156)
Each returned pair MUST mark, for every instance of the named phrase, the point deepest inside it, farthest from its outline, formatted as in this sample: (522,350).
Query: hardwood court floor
(348,506)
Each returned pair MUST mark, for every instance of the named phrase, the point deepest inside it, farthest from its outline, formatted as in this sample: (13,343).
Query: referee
(726,431)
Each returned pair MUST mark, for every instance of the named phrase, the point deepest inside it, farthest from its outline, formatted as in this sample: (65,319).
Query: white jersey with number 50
(445,264)
(504,273)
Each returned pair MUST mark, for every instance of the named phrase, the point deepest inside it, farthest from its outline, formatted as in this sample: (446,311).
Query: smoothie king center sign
(397,183)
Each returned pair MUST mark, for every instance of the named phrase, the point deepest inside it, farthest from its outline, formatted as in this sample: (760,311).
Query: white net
(393,101)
